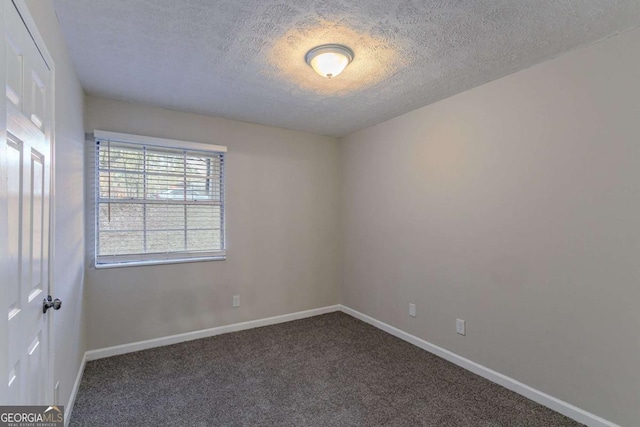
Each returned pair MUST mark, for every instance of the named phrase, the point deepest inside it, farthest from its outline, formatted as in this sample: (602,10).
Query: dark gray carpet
(330,370)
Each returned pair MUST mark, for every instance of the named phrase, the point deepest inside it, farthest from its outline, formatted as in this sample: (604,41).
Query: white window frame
(155,258)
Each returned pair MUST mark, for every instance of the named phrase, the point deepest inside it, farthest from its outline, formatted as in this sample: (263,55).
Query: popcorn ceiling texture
(244,59)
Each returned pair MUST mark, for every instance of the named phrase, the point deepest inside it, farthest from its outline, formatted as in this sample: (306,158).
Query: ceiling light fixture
(329,60)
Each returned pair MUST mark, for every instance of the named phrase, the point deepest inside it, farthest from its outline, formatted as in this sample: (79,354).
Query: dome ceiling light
(329,60)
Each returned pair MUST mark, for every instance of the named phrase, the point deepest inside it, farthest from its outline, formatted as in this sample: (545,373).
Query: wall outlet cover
(412,310)
(461,327)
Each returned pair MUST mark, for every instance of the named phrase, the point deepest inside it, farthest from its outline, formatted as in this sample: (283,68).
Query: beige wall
(68,241)
(515,206)
(282,231)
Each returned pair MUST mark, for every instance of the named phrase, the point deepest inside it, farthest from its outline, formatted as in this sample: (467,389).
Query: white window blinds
(157,202)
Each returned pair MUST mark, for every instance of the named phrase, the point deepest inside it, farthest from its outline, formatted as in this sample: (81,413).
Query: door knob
(48,303)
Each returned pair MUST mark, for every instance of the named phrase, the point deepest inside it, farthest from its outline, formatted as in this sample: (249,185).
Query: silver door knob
(48,303)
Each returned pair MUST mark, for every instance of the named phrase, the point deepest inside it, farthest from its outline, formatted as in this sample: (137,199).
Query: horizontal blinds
(157,203)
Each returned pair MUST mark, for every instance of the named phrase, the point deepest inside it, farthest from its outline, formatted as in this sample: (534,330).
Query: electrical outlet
(412,310)
(236,300)
(461,327)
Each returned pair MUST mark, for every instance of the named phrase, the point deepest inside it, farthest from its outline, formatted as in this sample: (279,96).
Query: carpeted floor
(329,370)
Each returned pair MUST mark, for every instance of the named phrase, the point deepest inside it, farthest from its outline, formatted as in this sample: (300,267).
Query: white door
(24,198)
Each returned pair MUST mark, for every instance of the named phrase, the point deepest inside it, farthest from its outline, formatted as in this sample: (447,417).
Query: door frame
(30,24)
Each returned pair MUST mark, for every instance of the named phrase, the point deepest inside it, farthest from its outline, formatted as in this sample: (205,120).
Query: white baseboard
(544,399)
(74,391)
(204,333)
(550,402)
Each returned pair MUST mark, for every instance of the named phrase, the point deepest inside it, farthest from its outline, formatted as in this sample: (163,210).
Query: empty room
(320,213)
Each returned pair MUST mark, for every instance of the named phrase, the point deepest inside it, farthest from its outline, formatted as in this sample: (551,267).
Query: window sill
(157,262)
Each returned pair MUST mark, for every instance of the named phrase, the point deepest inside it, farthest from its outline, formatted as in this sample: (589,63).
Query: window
(157,200)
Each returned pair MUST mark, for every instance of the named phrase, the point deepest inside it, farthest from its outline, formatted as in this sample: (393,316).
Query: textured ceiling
(244,59)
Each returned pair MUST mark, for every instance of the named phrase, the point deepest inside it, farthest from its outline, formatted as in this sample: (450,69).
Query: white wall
(68,241)
(515,206)
(282,232)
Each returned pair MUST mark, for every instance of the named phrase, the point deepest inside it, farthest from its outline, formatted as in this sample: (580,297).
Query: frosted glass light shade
(329,60)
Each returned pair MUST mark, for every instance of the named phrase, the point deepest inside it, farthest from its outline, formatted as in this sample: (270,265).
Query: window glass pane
(165,162)
(203,239)
(203,217)
(118,157)
(121,185)
(165,241)
(121,243)
(165,217)
(123,216)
